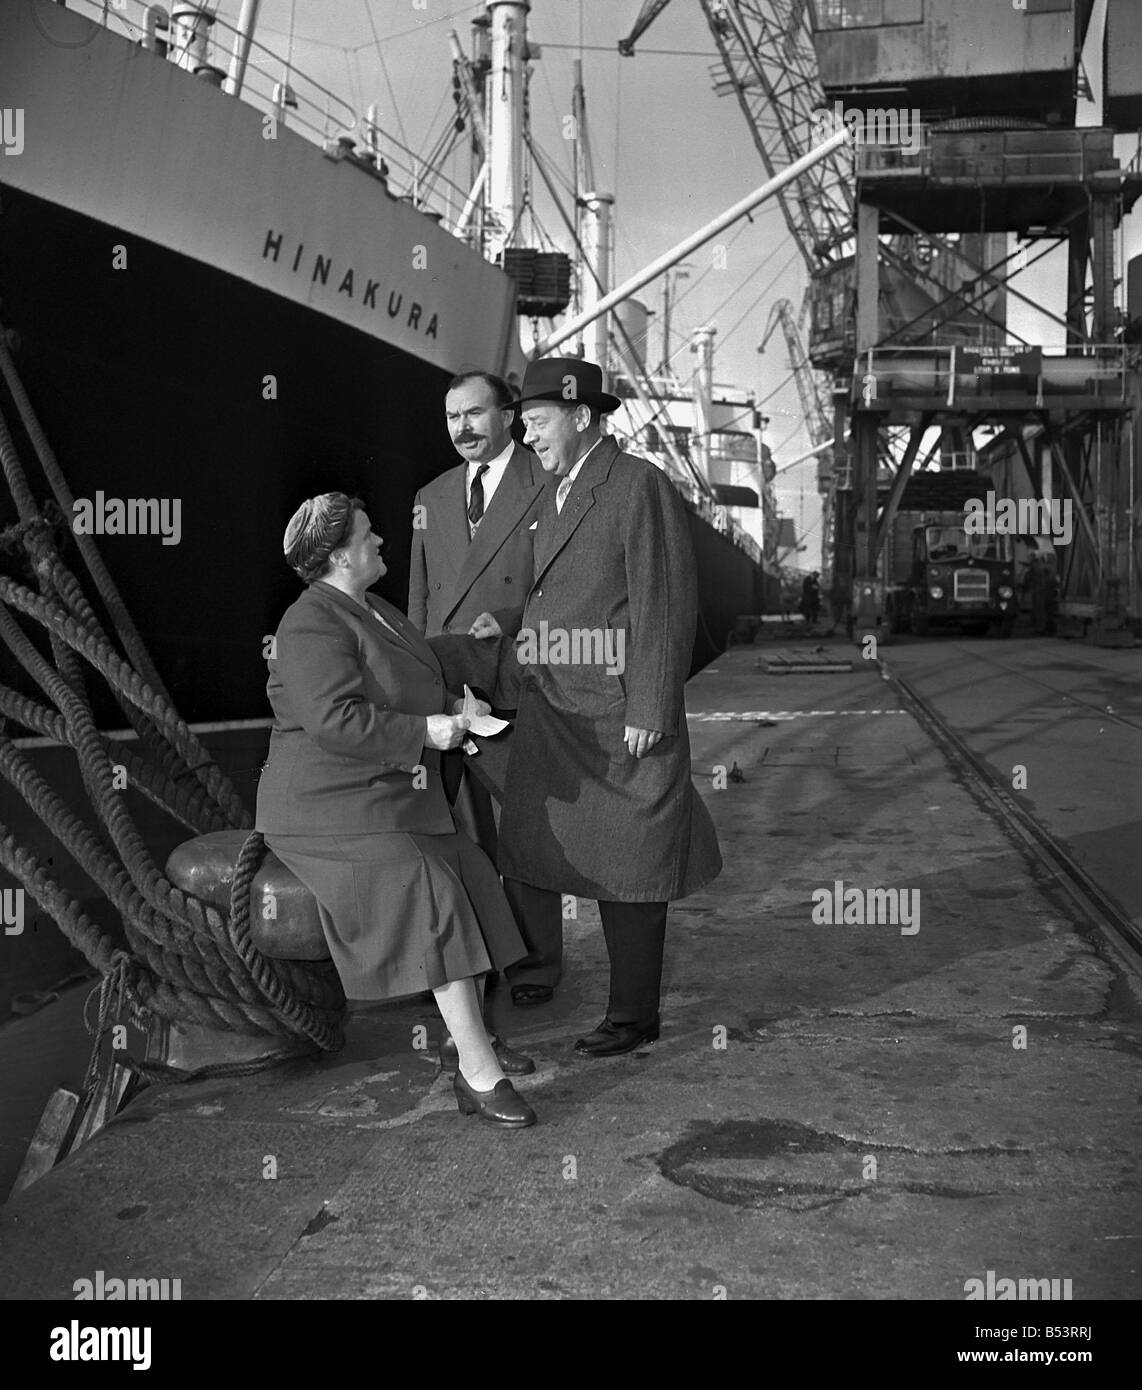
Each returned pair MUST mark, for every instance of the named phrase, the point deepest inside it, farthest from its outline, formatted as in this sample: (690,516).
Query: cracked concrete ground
(833,1111)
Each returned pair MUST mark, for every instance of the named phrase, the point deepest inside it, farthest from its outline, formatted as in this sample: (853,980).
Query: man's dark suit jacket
(453,580)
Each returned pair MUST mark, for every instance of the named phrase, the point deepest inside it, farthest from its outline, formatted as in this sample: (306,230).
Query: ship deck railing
(277,87)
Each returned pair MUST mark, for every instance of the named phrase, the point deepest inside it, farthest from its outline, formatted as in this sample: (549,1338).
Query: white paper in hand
(482,724)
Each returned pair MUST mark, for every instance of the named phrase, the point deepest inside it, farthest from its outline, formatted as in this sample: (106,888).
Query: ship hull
(151,384)
(226,324)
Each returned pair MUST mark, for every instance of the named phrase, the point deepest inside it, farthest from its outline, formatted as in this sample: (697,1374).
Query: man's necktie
(561,493)
(476,500)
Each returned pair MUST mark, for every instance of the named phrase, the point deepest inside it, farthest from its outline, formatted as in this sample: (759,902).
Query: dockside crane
(768,63)
(815,409)
(766,60)
(906,250)
(812,407)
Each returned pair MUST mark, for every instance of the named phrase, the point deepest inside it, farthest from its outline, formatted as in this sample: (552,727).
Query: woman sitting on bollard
(351,801)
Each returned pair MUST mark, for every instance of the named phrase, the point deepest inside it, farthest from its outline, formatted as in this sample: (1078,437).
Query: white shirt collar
(570,477)
(499,460)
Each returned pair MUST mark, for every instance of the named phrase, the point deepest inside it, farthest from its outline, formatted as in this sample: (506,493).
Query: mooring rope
(186,961)
(121,620)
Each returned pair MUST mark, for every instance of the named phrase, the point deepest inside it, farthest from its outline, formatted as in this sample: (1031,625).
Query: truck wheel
(919,624)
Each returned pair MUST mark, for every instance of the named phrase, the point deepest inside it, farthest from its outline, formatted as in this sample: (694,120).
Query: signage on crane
(1007,360)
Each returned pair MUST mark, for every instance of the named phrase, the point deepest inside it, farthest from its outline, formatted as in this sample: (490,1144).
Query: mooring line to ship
(190,963)
(1103,917)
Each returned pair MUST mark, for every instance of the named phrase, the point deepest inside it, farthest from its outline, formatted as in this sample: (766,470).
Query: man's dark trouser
(635,934)
(539,915)
(538,912)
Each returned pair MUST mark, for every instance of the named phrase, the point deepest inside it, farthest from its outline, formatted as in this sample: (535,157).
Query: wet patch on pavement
(769,1163)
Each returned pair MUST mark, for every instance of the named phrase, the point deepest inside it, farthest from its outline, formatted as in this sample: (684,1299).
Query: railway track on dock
(1067,696)
(1101,917)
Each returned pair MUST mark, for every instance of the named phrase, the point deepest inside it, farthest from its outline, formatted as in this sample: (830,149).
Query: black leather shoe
(501,1106)
(610,1039)
(511,1063)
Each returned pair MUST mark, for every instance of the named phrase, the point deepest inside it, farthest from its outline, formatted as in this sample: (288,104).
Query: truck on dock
(935,573)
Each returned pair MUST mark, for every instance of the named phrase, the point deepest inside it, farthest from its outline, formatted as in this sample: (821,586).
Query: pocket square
(533,525)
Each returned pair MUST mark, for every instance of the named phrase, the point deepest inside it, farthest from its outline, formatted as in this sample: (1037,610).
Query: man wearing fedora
(598,800)
(469,573)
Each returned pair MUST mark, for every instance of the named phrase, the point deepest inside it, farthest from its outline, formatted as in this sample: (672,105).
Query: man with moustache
(470,571)
(598,799)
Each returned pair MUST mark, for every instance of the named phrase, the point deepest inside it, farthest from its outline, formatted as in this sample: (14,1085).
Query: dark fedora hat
(569,380)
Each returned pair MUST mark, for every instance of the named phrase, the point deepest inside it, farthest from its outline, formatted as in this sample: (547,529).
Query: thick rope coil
(189,804)
(299,1015)
(17,538)
(118,674)
(182,987)
(120,618)
(197,764)
(54,576)
(189,962)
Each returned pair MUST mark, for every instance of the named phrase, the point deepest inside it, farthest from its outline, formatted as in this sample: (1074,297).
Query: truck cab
(968,580)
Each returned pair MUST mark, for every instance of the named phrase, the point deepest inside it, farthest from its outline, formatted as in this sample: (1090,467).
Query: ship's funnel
(190,37)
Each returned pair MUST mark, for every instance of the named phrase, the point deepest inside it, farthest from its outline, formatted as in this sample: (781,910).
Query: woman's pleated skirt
(403,913)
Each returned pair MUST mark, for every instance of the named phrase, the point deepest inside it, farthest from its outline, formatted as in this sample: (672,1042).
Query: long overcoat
(581,814)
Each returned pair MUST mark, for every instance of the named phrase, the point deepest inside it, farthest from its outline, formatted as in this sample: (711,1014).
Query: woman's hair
(315,530)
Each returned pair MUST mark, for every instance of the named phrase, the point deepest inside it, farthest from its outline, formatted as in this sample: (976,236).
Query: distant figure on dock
(1041,584)
(598,800)
(351,800)
(472,536)
(811,598)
